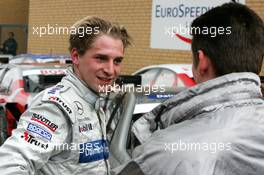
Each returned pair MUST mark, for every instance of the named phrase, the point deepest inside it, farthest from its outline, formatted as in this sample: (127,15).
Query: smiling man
(100,66)
(64,130)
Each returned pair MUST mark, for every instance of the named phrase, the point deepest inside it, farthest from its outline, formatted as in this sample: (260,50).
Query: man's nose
(109,68)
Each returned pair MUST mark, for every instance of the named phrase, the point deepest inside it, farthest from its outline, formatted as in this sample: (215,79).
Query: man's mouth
(105,80)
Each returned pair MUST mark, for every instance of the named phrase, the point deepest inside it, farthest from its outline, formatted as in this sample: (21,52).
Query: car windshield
(35,83)
(161,78)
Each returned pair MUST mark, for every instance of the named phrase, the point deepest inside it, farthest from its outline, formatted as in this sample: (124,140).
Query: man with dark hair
(10,45)
(64,129)
(216,127)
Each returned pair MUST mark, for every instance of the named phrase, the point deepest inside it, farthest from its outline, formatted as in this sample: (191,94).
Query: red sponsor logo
(44,121)
(52,72)
(32,140)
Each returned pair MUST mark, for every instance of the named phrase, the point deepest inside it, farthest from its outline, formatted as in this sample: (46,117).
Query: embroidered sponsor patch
(83,119)
(38,130)
(56,88)
(93,151)
(44,121)
(161,96)
(33,141)
(62,103)
(85,127)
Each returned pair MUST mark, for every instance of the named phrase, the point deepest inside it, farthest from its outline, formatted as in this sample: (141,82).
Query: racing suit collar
(206,97)
(203,97)
(83,90)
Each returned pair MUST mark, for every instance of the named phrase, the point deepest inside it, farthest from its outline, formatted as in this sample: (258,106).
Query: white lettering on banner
(171,21)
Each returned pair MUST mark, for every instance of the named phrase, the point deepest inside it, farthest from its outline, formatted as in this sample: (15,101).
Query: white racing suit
(63,132)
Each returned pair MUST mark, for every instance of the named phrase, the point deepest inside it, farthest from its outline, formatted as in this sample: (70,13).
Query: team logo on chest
(79,107)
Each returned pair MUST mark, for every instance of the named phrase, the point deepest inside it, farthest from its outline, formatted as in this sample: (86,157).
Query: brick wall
(14,11)
(134,14)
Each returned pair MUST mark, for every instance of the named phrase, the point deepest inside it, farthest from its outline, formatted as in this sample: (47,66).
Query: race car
(19,83)
(167,75)
(4,58)
(40,58)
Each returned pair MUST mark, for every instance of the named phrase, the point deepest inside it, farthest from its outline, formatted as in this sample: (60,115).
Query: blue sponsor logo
(40,131)
(56,88)
(93,151)
(161,96)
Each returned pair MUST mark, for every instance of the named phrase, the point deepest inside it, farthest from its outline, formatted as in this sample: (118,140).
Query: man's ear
(75,56)
(203,64)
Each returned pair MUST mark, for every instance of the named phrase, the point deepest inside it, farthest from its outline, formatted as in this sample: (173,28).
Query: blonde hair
(93,27)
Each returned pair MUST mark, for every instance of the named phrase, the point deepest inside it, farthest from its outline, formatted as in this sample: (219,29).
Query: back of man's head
(232,37)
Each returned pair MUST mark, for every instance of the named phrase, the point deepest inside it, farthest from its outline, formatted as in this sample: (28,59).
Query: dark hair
(241,49)
(12,34)
(96,27)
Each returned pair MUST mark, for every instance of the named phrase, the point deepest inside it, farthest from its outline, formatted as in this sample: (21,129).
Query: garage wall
(14,11)
(134,14)
(14,18)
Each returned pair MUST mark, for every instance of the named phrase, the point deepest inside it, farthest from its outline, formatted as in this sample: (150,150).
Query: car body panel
(19,84)
(167,75)
(178,68)
(40,58)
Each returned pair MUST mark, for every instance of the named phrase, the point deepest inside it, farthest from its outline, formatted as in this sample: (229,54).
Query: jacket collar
(205,96)
(80,87)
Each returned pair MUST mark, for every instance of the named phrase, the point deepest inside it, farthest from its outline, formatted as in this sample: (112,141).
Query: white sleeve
(32,144)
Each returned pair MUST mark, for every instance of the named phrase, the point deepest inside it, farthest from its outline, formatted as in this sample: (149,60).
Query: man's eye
(118,61)
(100,58)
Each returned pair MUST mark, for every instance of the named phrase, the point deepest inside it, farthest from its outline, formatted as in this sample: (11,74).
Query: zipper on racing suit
(102,121)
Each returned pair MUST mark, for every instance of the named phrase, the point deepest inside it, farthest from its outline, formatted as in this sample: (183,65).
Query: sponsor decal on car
(62,103)
(38,130)
(44,121)
(93,151)
(44,72)
(32,140)
(52,71)
(56,88)
(85,127)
